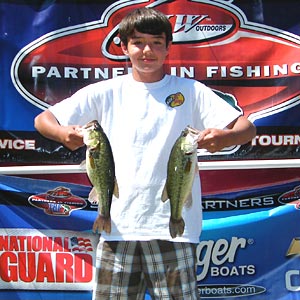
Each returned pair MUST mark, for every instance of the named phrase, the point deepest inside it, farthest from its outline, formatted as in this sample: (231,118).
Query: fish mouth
(193,131)
(189,153)
(92,125)
(193,134)
(87,130)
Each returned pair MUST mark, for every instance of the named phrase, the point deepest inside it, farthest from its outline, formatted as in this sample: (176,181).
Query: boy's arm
(48,126)
(239,132)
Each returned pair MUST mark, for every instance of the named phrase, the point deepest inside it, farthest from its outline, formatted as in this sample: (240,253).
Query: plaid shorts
(125,269)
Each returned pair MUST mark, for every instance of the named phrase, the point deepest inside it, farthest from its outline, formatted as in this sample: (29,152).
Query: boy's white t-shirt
(142,128)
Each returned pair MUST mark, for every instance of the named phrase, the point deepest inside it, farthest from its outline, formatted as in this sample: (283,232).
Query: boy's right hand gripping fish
(182,166)
(100,168)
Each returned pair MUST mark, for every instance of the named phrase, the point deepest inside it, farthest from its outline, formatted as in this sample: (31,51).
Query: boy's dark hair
(145,20)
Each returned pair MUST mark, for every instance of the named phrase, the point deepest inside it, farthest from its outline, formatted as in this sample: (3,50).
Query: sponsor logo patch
(57,202)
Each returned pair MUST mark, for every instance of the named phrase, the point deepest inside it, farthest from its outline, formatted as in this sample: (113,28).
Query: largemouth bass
(182,166)
(100,169)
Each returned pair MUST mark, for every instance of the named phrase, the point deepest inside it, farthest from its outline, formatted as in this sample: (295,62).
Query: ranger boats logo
(209,37)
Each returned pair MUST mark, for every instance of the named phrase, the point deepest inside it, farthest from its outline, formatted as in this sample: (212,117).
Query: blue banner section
(47,247)
(44,204)
(243,253)
(255,255)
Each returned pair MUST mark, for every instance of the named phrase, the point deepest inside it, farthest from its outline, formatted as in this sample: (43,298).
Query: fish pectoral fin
(116,189)
(92,161)
(164,194)
(188,166)
(93,196)
(94,151)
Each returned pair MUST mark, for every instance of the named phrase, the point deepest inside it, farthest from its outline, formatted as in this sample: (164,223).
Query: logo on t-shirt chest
(175,100)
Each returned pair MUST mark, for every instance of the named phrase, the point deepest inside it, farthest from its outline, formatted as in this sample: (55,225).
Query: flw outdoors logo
(213,43)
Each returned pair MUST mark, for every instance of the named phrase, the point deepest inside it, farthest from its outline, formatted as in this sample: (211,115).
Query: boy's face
(147,54)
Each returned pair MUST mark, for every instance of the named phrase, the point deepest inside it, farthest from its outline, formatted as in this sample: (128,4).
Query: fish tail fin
(176,227)
(107,225)
(102,224)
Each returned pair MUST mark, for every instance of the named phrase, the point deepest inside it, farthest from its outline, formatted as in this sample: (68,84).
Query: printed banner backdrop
(247,51)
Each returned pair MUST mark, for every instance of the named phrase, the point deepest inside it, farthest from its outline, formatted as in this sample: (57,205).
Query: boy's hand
(213,139)
(238,132)
(71,137)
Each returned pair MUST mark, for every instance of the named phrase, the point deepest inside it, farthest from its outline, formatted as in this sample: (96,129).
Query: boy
(142,128)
